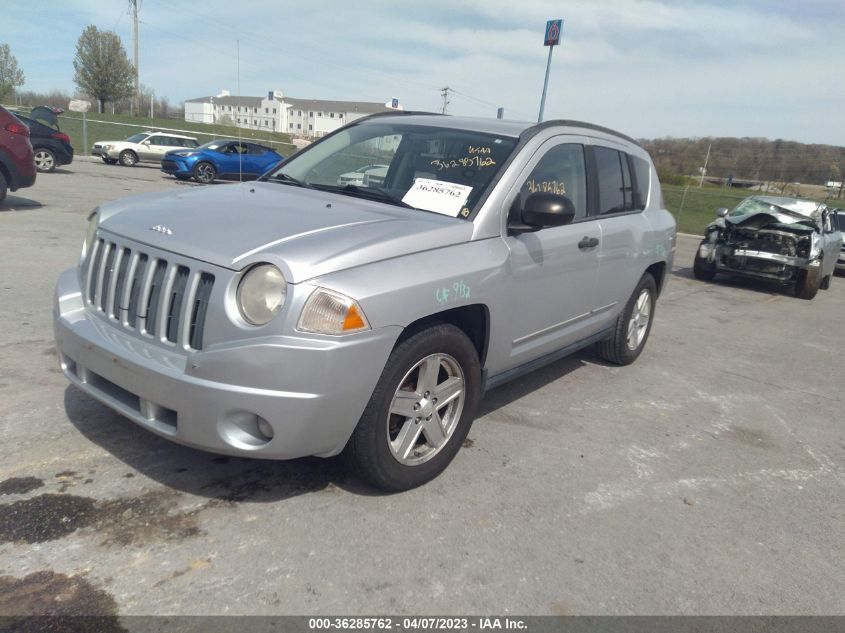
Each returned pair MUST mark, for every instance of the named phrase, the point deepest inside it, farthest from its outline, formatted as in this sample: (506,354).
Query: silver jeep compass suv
(300,315)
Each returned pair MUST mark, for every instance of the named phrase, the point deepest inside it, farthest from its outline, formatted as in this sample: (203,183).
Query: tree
(10,75)
(101,67)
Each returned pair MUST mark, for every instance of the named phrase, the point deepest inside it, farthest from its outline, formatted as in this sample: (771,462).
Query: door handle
(588,242)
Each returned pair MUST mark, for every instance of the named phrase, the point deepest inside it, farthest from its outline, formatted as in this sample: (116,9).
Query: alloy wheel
(44,160)
(640,317)
(425,409)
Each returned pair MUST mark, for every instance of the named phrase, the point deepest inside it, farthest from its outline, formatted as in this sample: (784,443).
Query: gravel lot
(706,478)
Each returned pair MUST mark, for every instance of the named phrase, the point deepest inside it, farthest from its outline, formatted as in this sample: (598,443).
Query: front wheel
(205,173)
(420,411)
(45,160)
(808,283)
(128,158)
(702,269)
(632,326)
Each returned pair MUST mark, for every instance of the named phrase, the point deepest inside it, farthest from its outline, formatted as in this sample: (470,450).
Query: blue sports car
(232,160)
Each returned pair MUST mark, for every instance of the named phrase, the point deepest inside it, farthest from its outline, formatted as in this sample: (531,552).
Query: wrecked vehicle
(786,240)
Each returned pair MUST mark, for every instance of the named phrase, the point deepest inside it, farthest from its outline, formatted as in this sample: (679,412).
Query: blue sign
(553,29)
(394,103)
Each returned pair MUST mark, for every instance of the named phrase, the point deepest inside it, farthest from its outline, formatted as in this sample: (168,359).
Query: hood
(305,232)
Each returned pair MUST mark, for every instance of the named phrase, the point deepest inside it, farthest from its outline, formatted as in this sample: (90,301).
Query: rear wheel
(45,160)
(632,326)
(420,411)
(702,269)
(808,283)
(128,158)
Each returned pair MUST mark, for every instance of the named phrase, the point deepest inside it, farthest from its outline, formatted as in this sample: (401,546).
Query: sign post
(80,105)
(551,39)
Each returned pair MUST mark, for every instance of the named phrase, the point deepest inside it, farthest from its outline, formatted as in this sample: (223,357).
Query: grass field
(102,127)
(695,211)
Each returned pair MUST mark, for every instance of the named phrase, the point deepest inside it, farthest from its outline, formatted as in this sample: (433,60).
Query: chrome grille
(161,299)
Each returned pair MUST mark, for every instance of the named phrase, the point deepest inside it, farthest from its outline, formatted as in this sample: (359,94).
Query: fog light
(265,428)
(245,430)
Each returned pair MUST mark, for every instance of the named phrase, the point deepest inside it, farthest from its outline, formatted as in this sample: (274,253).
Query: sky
(648,68)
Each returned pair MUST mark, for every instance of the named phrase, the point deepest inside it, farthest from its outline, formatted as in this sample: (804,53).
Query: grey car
(296,316)
(786,240)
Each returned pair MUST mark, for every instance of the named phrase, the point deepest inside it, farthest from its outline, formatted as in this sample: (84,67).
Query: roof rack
(398,112)
(534,129)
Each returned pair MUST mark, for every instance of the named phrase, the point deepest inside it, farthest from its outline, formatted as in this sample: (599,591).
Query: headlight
(93,221)
(261,294)
(107,147)
(328,312)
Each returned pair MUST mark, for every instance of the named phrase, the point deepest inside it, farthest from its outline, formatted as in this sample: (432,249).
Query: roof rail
(397,112)
(534,129)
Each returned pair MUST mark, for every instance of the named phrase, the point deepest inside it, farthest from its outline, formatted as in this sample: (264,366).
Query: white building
(308,118)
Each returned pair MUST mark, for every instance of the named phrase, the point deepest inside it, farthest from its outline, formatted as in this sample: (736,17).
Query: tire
(633,325)
(825,284)
(128,158)
(45,160)
(3,187)
(702,269)
(205,173)
(376,451)
(808,283)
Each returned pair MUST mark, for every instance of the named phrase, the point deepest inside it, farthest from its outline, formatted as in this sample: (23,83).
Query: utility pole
(136,99)
(444,94)
(704,169)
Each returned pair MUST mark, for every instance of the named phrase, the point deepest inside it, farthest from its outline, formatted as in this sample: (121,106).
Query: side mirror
(543,209)
(722,212)
(147,143)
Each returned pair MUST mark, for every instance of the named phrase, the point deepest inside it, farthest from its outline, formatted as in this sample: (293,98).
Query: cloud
(650,68)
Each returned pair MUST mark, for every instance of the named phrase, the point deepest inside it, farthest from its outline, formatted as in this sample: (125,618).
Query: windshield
(801,210)
(212,145)
(136,138)
(429,168)
(839,221)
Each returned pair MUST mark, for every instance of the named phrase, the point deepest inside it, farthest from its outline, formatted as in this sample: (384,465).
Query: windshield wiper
(374,193)
(289,180)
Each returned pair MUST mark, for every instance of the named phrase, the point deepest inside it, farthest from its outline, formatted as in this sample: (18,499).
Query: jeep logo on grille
(160,228)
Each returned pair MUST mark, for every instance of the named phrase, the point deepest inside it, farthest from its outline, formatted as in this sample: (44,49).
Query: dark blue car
(233,160)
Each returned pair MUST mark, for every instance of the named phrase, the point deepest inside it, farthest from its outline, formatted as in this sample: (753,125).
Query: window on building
(331,115)
(274,110)
(255,109)
(291,126)
(300,113)
(299,126)
(311,114)
(319,114)
(266,110)
(310,127)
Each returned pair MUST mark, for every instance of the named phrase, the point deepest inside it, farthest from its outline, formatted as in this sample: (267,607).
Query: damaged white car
(786,240)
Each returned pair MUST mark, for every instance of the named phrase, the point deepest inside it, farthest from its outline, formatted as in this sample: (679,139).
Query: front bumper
(753,263)
(204,399)
(176,165)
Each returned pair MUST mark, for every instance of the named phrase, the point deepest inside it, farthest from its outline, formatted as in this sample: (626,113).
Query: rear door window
(611,185)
